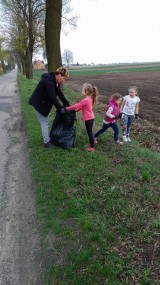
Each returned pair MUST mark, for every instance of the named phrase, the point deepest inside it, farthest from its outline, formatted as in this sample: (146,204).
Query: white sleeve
(109,113)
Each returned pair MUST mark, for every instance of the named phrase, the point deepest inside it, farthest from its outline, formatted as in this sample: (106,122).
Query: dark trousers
(107,126)
(89,128)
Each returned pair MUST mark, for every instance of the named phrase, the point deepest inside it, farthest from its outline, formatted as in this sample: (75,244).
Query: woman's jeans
(107,126)
(44,121)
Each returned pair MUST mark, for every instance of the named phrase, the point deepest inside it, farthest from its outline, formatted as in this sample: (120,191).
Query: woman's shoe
(48,145)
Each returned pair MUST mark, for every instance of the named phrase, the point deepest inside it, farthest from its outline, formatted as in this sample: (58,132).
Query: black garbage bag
(63,131)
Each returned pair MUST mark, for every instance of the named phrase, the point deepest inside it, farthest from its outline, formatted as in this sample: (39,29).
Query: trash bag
(63,131)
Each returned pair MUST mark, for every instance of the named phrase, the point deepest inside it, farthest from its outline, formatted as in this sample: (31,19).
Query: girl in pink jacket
(110,116)
(86,105)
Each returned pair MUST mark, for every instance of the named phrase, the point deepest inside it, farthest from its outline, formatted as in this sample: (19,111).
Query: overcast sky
(112,31)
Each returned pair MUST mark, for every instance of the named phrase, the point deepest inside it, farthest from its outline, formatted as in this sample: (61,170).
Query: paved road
(21,255)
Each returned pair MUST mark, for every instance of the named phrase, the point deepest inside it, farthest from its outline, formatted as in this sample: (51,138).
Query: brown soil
(147,128)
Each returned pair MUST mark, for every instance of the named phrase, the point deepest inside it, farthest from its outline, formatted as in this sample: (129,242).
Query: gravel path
(22,258)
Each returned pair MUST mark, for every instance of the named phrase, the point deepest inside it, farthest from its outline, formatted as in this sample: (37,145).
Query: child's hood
(113,102)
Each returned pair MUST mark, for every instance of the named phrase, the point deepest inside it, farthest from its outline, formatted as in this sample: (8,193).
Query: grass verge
(99,211)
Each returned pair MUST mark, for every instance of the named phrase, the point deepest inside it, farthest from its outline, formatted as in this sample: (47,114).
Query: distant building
(38,64)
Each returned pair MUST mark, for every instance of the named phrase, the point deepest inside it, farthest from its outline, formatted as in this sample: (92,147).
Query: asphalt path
(23,260)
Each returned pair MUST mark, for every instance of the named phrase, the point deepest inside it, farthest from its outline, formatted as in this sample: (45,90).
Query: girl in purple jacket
(86,105)
(111,114)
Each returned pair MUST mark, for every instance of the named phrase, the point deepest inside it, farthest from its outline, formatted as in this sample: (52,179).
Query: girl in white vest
(129,111)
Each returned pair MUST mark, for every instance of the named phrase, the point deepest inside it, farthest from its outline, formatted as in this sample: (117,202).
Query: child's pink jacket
(115,111)
(86,106)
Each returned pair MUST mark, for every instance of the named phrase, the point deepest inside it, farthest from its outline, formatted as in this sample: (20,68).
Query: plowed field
(147,128)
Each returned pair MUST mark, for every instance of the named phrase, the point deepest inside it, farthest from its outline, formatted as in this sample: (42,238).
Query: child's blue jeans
(107,126)
(127,123)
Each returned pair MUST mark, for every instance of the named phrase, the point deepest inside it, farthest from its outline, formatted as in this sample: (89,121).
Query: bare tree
(4,55)
(29,29)
(69,20)
(67,57)
(25,27)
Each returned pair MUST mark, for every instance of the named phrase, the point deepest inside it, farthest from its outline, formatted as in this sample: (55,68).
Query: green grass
(114,68)
(101,209)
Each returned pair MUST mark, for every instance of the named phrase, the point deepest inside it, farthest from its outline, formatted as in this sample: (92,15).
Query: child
(129,110)
(86,105)
(111,114)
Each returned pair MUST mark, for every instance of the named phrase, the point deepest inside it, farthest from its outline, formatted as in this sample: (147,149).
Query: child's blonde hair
(91,90)
(133,87)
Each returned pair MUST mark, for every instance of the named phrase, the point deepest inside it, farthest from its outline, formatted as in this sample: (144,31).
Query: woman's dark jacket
(45,95)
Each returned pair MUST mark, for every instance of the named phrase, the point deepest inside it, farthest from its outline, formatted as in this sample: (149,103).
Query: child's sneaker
(91,149)
(125,139)
(120,143)
(95,141)
(128,139)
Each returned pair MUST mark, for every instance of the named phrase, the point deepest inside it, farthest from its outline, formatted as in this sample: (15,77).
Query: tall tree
(58,17)
(28,29)
(25,28)
(3,54)
(52,33)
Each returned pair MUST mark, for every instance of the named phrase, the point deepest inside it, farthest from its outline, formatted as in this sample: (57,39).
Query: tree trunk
(23,66)
(29,53)
(3,66)
(52,33)
(18,62)
(28,65)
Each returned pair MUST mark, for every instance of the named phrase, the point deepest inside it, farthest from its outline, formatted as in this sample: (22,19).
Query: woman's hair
(91,90)
(63,71)
(133,87)
(116,96)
